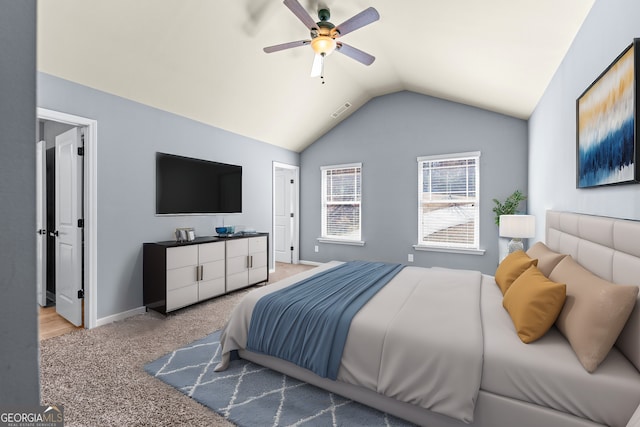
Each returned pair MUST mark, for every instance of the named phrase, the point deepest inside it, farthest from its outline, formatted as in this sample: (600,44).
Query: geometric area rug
(250,395)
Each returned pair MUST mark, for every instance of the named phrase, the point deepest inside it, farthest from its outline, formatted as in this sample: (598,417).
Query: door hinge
(292,181)
(80,151)
(80,294)
(291,247)
(291,214)
(81,223)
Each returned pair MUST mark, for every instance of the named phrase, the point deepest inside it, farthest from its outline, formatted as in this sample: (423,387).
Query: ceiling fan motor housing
(324,15)
(325,28)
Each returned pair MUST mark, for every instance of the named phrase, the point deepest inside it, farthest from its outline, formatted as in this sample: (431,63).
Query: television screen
(193,186)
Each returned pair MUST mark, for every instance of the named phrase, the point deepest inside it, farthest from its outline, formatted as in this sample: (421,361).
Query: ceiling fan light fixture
(323,35)
(323,45)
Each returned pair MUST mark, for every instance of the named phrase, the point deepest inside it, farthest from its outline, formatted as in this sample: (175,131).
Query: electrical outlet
(410,258)
(317,249)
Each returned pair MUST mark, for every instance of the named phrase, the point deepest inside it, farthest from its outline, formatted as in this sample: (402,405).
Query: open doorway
(66,220)
(60,218)
(46,206)
(286,206)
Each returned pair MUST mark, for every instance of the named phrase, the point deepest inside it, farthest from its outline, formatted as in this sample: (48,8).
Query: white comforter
(418,340)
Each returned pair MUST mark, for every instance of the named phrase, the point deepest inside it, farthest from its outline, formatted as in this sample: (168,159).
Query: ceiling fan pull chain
(322,55)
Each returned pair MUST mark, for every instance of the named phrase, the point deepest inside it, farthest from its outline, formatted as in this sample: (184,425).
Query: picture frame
(185,235)
(607,124)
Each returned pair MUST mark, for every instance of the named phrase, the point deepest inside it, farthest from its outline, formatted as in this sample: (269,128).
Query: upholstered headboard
(609,248)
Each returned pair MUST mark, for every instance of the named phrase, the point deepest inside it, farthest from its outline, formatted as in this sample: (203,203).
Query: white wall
(607,31)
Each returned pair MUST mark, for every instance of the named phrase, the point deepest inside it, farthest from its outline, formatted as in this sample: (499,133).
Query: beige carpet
(98,375)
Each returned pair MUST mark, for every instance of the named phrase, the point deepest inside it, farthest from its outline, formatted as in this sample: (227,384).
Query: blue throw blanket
(307,323)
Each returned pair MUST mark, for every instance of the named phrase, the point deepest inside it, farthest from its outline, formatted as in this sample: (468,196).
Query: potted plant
(509,206)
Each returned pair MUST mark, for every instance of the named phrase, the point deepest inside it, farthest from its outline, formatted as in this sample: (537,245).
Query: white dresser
(176,275)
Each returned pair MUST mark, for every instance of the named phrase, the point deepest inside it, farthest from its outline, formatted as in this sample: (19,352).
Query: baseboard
(314,263)
(120,316)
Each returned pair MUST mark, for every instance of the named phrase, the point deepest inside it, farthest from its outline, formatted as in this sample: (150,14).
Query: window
(341,202)
(448,194)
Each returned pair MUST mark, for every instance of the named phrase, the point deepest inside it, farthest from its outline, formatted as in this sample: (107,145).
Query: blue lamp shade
(517,227)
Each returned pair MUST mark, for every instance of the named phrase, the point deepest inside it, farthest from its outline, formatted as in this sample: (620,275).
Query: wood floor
(53,325)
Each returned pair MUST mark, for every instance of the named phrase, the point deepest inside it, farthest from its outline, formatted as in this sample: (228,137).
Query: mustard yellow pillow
(595,312)
(547,259)
(533,302)
(511,268)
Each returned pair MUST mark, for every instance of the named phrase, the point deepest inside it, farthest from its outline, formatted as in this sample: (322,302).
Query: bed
(494,379)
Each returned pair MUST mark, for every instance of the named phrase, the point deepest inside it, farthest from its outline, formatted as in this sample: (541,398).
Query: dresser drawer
(211,252)
(213,270)
(181,277)
(182,256)
(211,288)
(237,281)
(257,244)
(257,275)
(182,297)
(258,259)
(237,264)
(237,248)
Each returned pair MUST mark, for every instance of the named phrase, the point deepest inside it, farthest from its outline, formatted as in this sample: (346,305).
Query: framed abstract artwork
(607,125)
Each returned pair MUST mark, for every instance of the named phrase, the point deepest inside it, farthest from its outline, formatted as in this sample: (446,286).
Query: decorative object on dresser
(178,274)
(517,227)
(607,126)
(185,234)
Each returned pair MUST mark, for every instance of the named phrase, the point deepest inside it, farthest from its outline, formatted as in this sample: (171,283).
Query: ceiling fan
(324,35)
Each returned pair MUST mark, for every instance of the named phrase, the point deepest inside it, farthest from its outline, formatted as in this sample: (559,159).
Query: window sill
(341,241)
(449,250)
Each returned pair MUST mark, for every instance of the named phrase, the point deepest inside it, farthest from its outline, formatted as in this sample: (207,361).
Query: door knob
(42,231)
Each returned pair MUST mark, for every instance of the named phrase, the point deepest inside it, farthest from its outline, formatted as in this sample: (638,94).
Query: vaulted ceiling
(203,59)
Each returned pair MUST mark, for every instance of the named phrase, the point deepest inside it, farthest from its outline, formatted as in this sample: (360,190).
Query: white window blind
(448,194)
(341,202)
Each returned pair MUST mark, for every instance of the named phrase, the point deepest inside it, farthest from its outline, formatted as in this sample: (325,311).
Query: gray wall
(129,134)
(387,135)
(609,28)
(19,376)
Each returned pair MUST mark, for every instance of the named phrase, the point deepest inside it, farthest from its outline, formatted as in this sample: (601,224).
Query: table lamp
(517,227)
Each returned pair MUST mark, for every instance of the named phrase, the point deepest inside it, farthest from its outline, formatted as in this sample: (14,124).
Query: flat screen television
(193,186)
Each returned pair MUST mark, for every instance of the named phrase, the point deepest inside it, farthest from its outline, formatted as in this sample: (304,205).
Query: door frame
(41,219)
(90,207)
(295,233)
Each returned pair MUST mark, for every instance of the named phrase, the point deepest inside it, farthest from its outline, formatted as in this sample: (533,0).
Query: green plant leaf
(510,205)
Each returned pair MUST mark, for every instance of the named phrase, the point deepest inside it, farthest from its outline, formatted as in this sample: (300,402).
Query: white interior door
(283,211)
(68,172)
(41,222)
